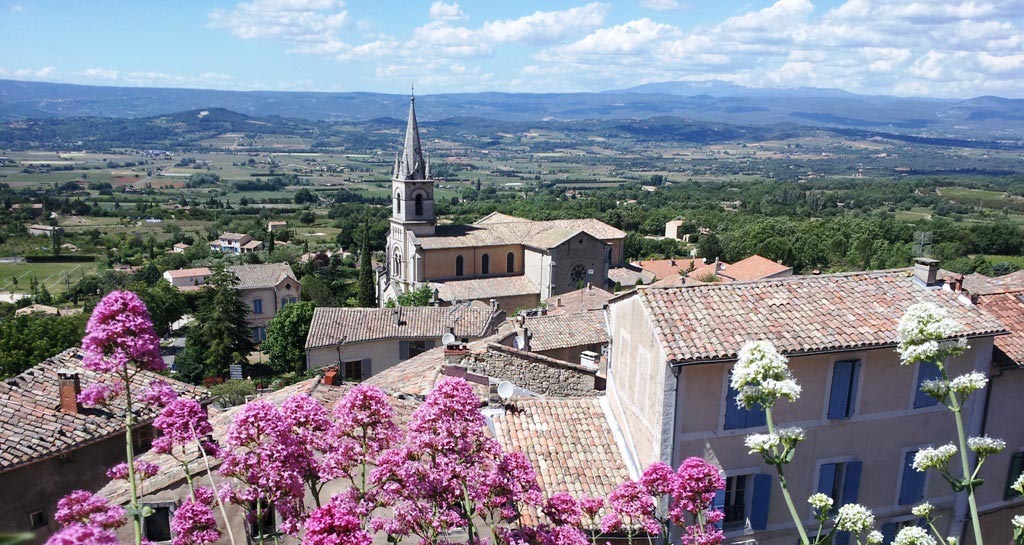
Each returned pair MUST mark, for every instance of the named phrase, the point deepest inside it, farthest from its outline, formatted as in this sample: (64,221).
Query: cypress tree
(367,284)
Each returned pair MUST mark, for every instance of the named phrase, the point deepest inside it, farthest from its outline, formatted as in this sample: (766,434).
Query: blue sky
(902,47)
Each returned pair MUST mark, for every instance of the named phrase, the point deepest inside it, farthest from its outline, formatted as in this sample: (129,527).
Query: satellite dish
(448,339)
(505,390)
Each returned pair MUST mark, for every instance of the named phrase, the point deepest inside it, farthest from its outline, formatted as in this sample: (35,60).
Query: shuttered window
(926,370)
(912,484)
(738,418)
(842,397)
(760,501)
(1016,468)
(840,481)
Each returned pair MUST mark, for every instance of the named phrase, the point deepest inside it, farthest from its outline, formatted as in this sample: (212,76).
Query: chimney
(454,353)
(926,272)
(558,302)
(398,316)
(70,387)
(523,341)
(588,360)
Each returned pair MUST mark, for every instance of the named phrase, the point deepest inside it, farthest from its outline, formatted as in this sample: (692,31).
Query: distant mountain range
(991,118)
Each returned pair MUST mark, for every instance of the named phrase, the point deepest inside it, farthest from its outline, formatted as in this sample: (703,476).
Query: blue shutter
(760,501)
(926,370)
(718,504)
(912,486)
(839,400)
(403,350)
(889,532)
(755,417)
(851,483)
(827,479)
(842,538)
(852,403)
(735,417)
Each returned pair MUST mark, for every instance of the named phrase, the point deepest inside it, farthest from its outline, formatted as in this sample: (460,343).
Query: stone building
(515,261)
(265,289)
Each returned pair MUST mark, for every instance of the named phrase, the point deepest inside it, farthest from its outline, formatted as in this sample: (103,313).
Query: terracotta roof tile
(800,314)
(500,229)
(755,267)
(567,330)
(332,325)
(592,298)
(265,275)
(486,288)
(1008,308)
(665,268)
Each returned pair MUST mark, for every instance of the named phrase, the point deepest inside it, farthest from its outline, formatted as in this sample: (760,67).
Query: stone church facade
(515,262)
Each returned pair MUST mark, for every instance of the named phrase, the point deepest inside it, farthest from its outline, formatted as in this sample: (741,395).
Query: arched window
(485,264)
(458,266)
(510,262)
(419,205)
(398,203)
(396,264)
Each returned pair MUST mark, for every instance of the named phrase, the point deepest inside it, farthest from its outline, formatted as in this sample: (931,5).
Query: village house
(265,289)
(39,230)
(235,243)
(865,418)
(365,341)
(51,445)
(179,248)
(34,210)
(276,226)
(188,279)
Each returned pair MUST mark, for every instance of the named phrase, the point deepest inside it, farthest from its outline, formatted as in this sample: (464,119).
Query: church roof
(485,288)
(502,230)
(411,165)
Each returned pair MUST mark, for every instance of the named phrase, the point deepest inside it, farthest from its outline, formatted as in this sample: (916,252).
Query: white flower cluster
(923,333)
(1018,485)
(855,518)
(913,535)
(761,376)
(821,502)
(936,458)
(970,382)
(791,435)
(985,446)
(761,443)
(936,388)
(922,510)
(875,538)
(1018,522)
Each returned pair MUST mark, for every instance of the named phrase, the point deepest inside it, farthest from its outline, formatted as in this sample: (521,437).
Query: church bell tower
(412,205)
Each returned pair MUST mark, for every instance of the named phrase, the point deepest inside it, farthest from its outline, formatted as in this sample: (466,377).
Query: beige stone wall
(541,375)
(440,264)
(537,270)
(271,300)
(1004,422)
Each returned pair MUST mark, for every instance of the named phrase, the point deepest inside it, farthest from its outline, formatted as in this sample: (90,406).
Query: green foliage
(233,392)
(420,297)
(286,337)
(304,196)
(29,339)
(367,282)
(166,304)
(317,291)
(220,335)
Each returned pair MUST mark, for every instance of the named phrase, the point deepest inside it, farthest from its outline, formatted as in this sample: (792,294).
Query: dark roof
(332,325)
(33,426)
(800,314)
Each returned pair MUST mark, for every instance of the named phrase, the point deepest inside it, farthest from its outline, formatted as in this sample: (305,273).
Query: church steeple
(411,165)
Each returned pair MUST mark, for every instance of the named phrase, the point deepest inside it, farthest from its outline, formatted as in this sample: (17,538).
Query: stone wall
(534,372)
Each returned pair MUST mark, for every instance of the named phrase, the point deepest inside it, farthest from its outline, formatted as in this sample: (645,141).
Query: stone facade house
(265,289)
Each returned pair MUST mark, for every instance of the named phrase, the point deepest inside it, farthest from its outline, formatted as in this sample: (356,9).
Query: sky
(896,47)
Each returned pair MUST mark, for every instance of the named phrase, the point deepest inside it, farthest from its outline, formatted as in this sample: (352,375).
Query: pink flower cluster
(85,508)
(180,423)
(82,534)
(143,470)
(159,394)
(632,509)
(193,522)
(692,494)
(120,332)
(336,523)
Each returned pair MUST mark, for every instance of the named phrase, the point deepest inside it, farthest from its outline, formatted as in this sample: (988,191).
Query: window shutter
(760,501)
(755,417)
(912,485)
(1016,466)
(926,370)
(719,504)
(735,417)
(851,483)
(403,350)
(889,531)
(839,398)
(827,479)
(842,538)
(364,369)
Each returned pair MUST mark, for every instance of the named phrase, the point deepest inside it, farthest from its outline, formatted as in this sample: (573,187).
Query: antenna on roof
(505,391)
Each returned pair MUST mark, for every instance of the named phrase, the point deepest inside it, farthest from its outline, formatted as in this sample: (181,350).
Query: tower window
(458,266)
(419,205)
(510,262)
(485,264)
(398,203)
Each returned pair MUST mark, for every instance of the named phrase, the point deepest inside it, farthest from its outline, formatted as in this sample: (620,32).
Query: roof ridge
(785,279)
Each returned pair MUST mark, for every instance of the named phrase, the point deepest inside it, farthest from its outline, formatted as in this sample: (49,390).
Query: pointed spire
(411,165)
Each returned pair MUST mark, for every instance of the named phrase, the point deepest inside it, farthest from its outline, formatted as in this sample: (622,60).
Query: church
(513,261)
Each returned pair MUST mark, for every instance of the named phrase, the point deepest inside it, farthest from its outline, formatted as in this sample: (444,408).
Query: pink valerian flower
(562,535)
(83,534)
(591,506)
(97,394)
(180,423)
(510,482)
(364,428)
(120,332)
(193,522)
(708,535)
(159,394)
(83,507)
(658,479)
(562,508)
(312,426)
(696,484)
(336,523)
(632,509)
(143,470)
(268,458)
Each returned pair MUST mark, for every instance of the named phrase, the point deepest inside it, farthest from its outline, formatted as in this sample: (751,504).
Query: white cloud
(16,8)
(99,73)
(660,5)
(46,73)
(444,11)
(310,26)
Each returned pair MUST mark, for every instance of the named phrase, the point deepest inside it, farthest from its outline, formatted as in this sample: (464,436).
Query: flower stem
(130,453)
(971,501)
(213,486)
(785,488)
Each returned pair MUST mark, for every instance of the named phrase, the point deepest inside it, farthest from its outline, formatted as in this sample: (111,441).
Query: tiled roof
(33,426)
(266,275)
(1008,308)
(628,275)
(800,314)
(591,298)
(332,325)
(486,288)
(417,375)
(569,443)
(567,330)
(500,229)
(979,284)
(232,236)
(188,273)
(665,268)
(754,267)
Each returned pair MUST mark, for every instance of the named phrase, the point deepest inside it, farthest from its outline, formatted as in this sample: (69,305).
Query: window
(142,439)
(1016,468)
(285,301)
(840,481)
(458,266)
(739,418)
(510,262)
(485,264)
(257,306)
(157,526)
(259,334)
(398,204)
(352,370)
(926,370)
(745,501)
(419,205)
(912,482)
(842,397)
(37,519)
(411,349)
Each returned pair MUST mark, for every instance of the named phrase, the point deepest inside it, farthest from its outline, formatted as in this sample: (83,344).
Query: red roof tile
(1008,308)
